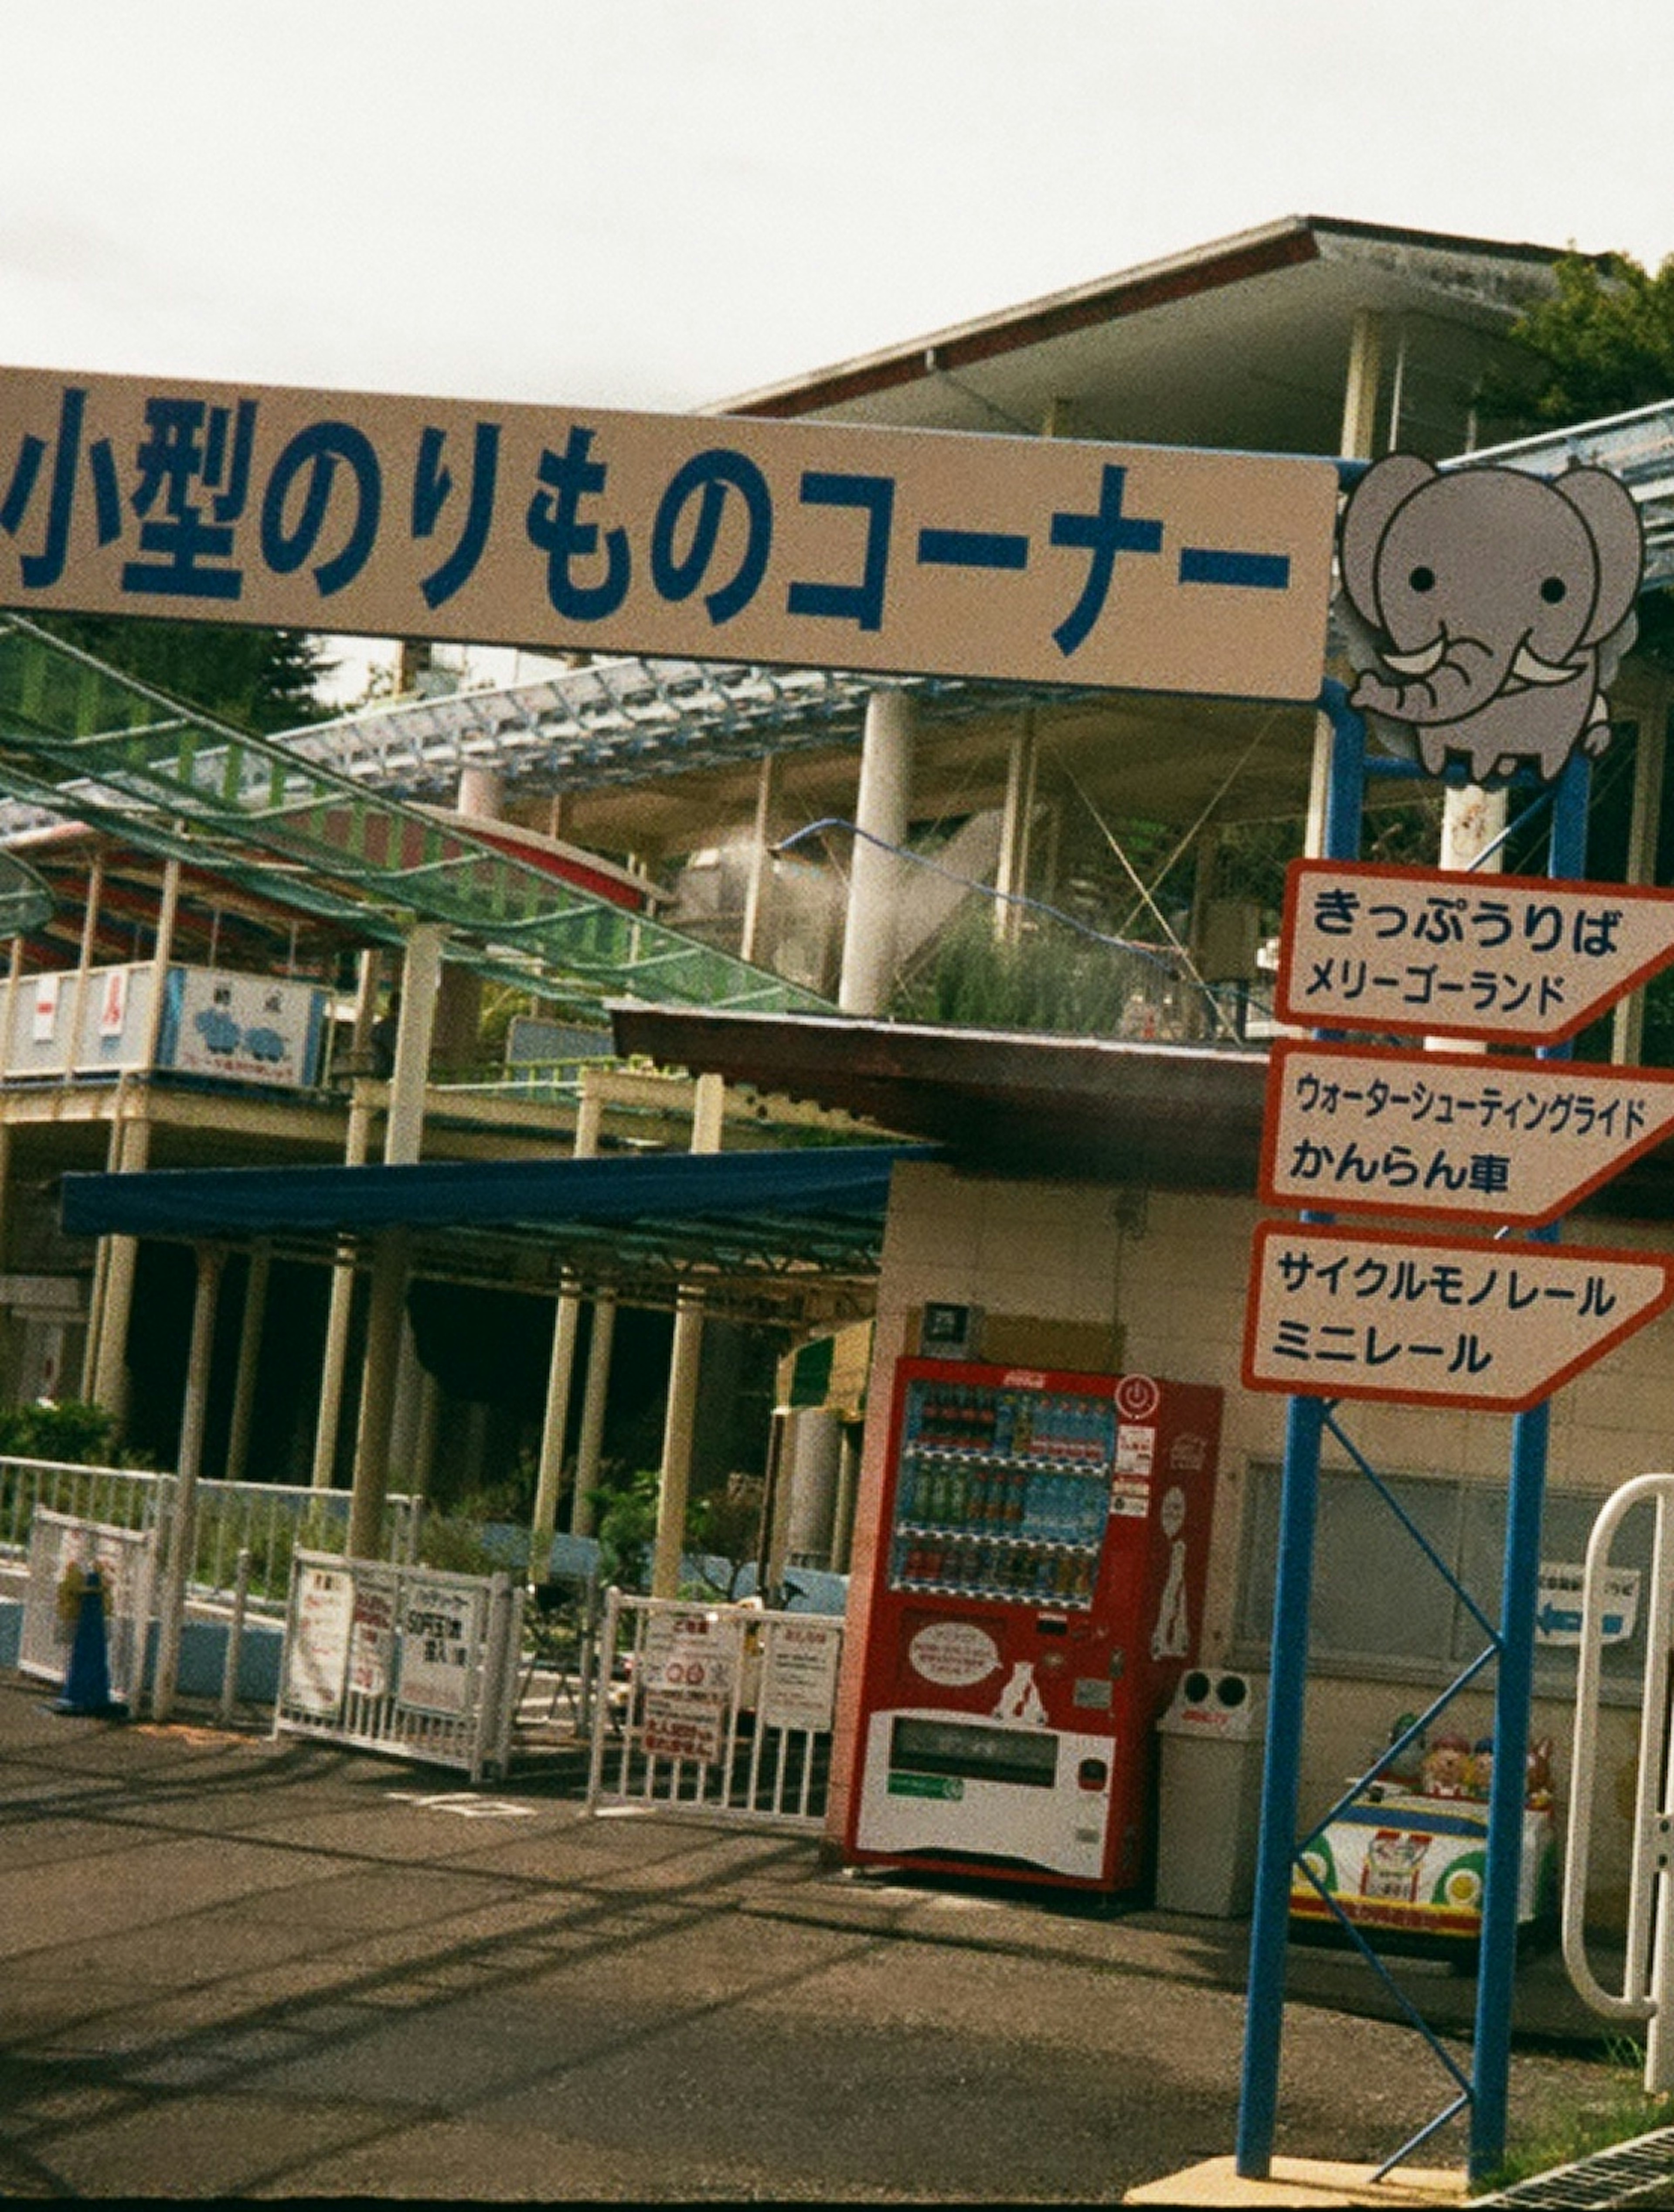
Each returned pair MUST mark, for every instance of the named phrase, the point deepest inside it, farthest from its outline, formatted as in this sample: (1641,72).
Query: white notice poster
(318,1653)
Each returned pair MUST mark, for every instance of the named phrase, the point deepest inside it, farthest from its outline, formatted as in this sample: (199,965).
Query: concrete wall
(1162,1277)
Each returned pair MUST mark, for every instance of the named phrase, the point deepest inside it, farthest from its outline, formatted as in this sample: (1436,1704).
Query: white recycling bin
(1209,1816)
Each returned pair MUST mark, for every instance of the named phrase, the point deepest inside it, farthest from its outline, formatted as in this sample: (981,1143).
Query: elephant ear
(1387,485)
(1606,507)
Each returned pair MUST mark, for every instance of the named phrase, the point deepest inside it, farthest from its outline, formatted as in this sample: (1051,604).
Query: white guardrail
(724,1711)
(271,1521)
(1647,1987)
(410,1661)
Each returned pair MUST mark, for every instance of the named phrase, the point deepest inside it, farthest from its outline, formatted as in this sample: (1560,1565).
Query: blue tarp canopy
(757,1229)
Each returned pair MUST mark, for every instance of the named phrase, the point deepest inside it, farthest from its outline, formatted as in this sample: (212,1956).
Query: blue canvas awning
(758,1232)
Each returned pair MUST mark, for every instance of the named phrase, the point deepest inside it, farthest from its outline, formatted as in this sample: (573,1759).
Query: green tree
(262,680)
(1602,343)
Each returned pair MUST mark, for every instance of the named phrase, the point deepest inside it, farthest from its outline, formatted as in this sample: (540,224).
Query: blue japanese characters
(905,551)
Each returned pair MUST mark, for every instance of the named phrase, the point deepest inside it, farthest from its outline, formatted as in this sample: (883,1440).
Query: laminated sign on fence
(728,1712)
(401,1660)
(61,1552)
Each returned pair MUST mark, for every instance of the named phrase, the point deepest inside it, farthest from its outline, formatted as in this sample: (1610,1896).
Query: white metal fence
(61,1550)
(409,1660)
(724,1711)
(271,1521)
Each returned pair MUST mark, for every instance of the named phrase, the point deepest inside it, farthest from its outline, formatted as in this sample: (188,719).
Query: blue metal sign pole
(1263,2018)
(1514,1688)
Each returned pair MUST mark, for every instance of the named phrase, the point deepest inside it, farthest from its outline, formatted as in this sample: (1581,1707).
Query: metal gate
(407,1660)
(724,1711)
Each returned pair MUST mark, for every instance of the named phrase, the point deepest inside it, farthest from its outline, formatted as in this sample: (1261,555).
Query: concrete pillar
(110,1360)
(815,1456)
(1011,874)
(408,1410)
(590,1445)
(424,1445)
(183,1528)
(1472,819)
(758,888)
(403,1132)
(565,1329)
(679,1423)
(1649,756)
(335,1357)
(481,793)
(848,1488)
(881,814)
(1357,442)
(249,1355)
(78,999)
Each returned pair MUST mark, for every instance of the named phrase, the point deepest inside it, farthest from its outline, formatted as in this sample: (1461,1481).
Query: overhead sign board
(1510,959)
(1367,1129)
(1435,1320)
(1034,560)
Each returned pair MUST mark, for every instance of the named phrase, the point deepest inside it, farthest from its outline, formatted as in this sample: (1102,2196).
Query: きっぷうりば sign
(1435,1320)
(728,538)
(1507,959)
(1370,1129)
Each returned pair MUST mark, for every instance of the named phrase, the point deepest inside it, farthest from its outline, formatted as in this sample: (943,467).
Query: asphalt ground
(234,1967)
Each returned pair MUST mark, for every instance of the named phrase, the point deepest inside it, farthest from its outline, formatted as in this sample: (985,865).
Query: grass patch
(1617,2113)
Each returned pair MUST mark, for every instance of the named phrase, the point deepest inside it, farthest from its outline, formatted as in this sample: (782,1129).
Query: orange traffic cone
(87,1684)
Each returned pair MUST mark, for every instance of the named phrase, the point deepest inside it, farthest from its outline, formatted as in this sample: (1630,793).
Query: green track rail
(91,744)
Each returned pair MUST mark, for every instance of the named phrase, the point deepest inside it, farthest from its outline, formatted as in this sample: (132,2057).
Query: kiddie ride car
(1404,1864)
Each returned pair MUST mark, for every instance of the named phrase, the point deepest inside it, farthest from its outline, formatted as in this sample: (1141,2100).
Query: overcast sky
(660,202)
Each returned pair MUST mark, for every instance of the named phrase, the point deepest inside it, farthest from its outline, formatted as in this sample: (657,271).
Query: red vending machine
(1038,1588)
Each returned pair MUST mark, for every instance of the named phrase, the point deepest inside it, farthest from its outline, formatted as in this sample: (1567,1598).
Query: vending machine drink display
(1038,1588)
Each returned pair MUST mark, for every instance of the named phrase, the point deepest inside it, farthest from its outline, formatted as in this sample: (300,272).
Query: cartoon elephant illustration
(1495,604)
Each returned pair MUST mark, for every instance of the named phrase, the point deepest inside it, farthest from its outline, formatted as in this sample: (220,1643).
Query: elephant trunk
(1448,680)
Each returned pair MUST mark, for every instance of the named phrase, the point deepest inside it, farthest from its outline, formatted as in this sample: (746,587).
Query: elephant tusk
(1530,668)
(1421,663)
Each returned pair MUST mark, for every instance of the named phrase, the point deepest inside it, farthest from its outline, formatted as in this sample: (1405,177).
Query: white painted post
(880,816)
(334,1357)
(249,1354)
(183,1524)
(1650,758)
(685,1360)
(565,1331)
(403,1133)
(1357,442)
(590,1445)
(760,884)
(1016,822)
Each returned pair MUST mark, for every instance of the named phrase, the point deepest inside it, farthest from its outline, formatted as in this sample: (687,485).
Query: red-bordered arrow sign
(1510,959)
(1357,1128)
(1497,1326)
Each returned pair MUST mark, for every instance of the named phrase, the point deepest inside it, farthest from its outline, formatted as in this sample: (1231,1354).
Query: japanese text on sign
(725,538)
(1516,959)
(1357,1128)
(1337,1313)
(441,1634)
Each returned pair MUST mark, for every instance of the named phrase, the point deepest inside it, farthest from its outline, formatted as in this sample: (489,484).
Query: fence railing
(271,1521)
(408,1661)
(723,1709)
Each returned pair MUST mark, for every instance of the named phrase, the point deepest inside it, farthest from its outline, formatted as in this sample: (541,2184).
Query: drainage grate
(1637,2173)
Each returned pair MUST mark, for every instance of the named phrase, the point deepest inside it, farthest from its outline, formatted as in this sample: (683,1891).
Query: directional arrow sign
(1513,959)
(1559,1618)
(1433,1321)
(1363,1129)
